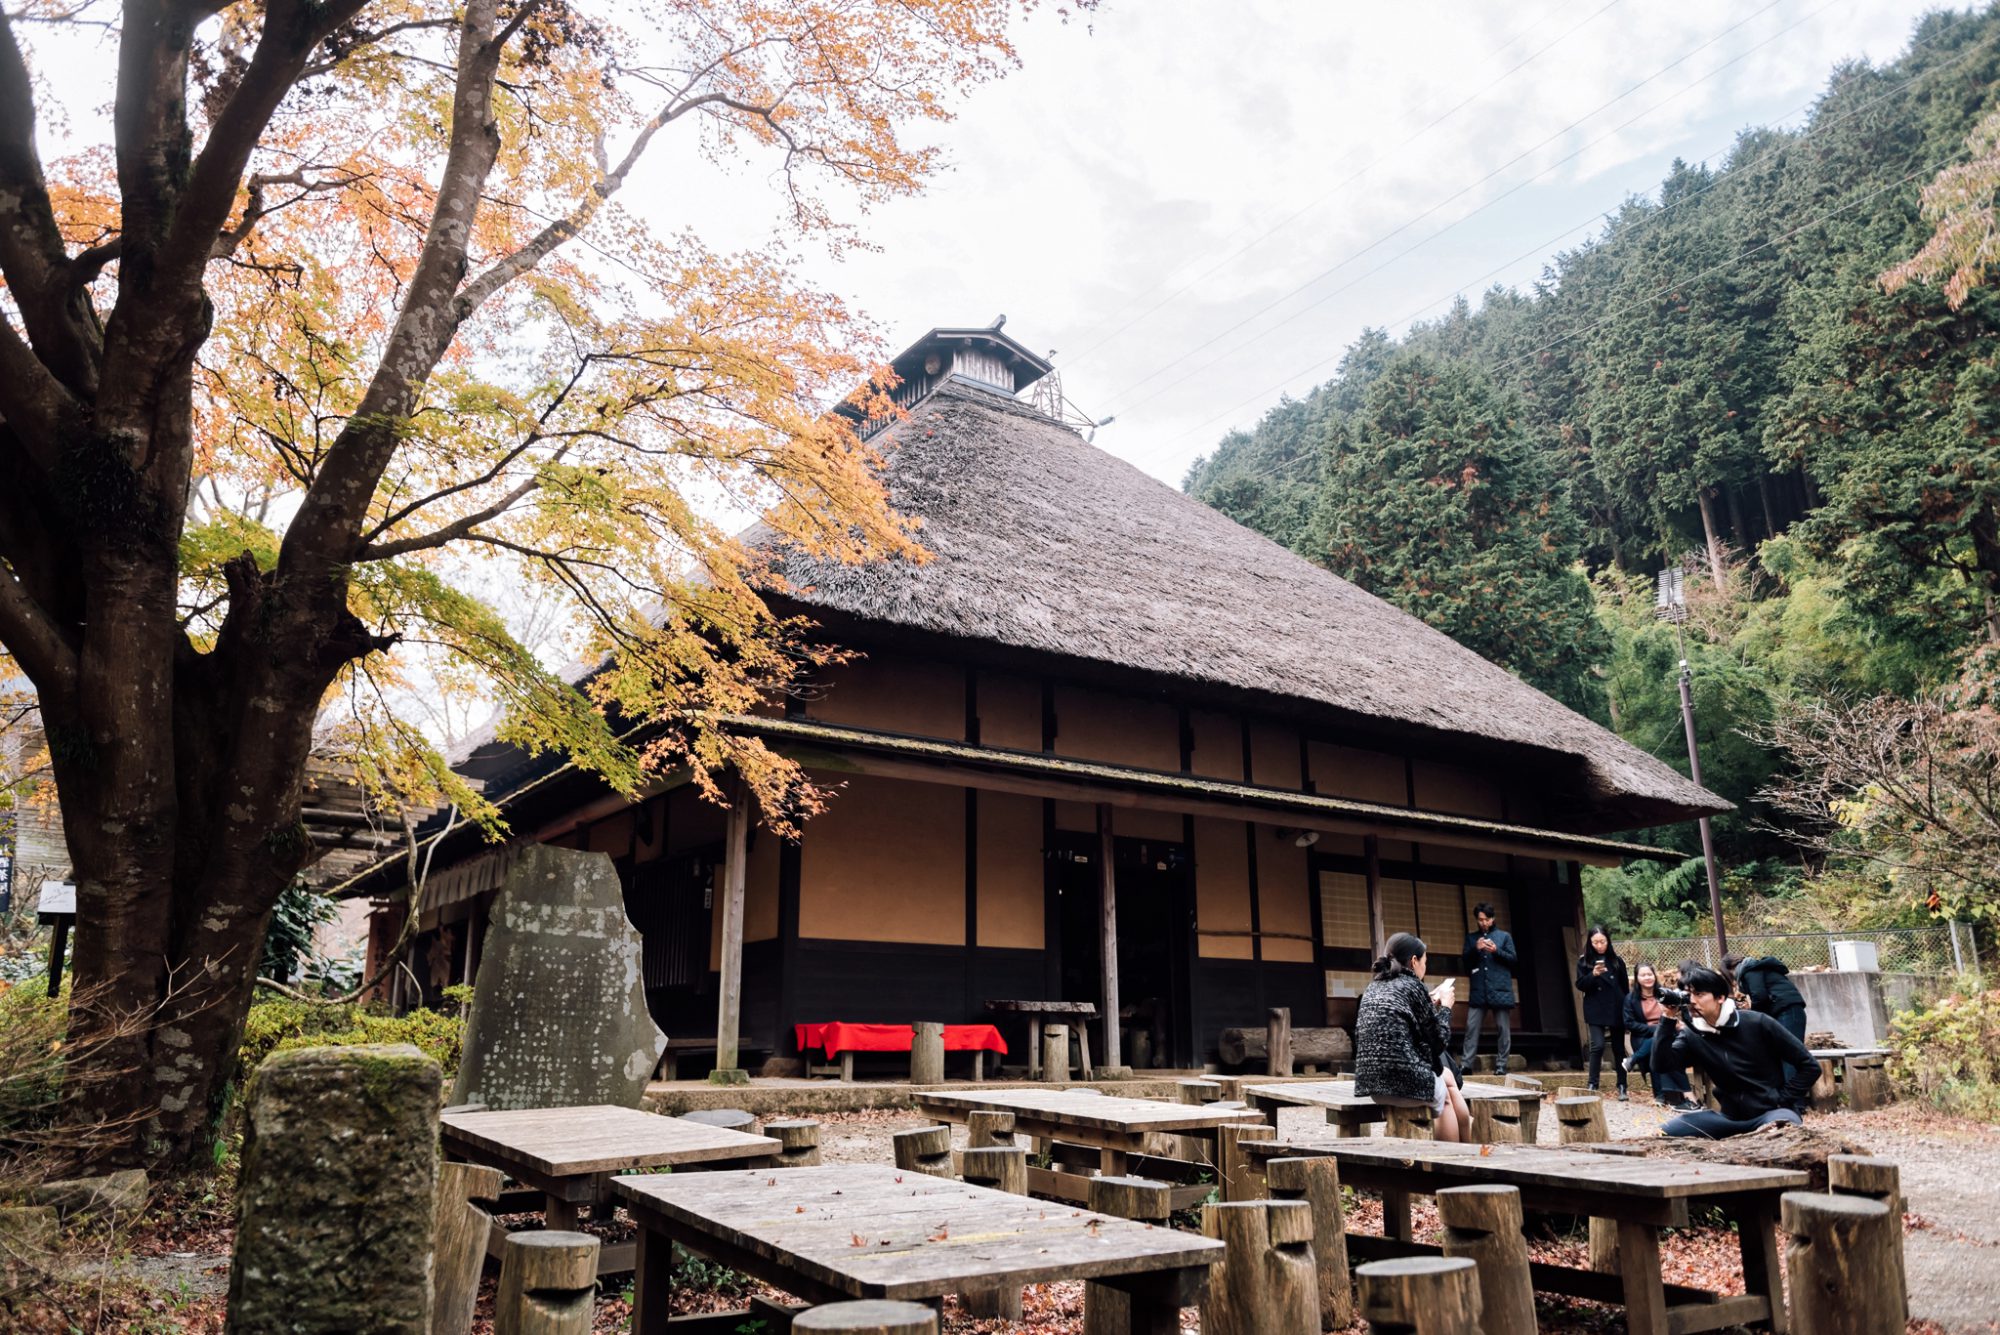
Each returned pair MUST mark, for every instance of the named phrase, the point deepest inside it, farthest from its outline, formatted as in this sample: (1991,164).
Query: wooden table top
(1529,1166)
(1340,1094)
(1087,1009)
(595,1138)
(874,1232)
(1088,1110)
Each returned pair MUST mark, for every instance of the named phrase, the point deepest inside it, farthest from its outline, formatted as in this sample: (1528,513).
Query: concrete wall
(1847,1005)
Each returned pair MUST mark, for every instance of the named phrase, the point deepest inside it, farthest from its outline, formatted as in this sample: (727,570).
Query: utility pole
(1671,605)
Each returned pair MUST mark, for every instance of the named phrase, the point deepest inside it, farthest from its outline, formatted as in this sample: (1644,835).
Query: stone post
(336,1195)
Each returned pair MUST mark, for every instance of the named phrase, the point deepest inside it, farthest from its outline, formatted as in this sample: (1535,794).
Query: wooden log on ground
(1328,1049)
(1316,1181)
(458,1248)
(1108,1311)
(1845,1264)
(1232,1166)
(548,1284)
(1265,1283)
(927,1052)
(1801,1149)
(1867,1083)
(799,1141)
(1875,1179)
(927,1149)
(869,1318)
(985,1127)
(1055,1053)
(1278,1041)
(1421,1295)
(1483,1223)
(1580,1120)
(1495,1121)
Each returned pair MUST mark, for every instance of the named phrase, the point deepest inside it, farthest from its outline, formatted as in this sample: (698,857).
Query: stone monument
(559,1007)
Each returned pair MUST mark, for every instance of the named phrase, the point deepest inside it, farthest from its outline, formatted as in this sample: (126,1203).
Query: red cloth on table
(837,1037)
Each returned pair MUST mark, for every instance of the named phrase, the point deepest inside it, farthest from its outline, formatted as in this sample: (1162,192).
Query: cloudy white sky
(1198,204)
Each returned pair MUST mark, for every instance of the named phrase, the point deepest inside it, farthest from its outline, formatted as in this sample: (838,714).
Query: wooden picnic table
(859,1231)
(1117,1128)
(1348,1110)
(1081,1012)
(1643,1196)
(569,1154)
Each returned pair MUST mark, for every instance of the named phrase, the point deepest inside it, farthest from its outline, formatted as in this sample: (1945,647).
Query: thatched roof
(1043,543)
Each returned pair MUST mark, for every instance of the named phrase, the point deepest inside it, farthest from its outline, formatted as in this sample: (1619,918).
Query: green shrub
(277,1024)
(1949,1053)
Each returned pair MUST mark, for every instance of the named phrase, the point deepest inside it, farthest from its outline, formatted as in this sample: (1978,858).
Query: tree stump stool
(729,1119)
(1844,1264)
(1877,1180)
(1483,1224)
(869,1318)
(1421,1295)
(986,1127)
(927,1052)
(1316,1181)
(1495,1121)
(1198,1092)
(926,1149)
(1055,1053)
(798,1140)
(1108,1311)
(1530,1105)
(1266,1282)
(1867,1083)
(1580,1120)
(459,1246)
(1232,1166)
(548,1284)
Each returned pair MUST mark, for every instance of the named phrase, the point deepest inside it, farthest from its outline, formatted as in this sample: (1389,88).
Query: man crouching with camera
(1760,1072)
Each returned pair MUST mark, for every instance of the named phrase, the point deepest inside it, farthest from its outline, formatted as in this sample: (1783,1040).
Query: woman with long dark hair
(1402,1032)
(1601,977)
(1643,1010)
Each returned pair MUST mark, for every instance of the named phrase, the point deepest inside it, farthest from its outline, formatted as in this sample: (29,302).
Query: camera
(1672,996)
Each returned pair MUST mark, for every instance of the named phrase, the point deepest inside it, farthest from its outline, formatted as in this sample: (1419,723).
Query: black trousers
(1599,1034)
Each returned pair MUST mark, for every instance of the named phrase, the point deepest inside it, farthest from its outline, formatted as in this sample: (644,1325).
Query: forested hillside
(1720,379)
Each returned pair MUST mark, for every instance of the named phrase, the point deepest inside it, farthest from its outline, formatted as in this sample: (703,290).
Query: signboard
(58,901)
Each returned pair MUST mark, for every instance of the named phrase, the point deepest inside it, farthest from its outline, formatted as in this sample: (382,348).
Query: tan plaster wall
(1222,889)
(1462,792)
(1218,745)
(1010,871)
(894,695)
(1438,855)
(1284,900)
(1010,711)
(886,862)
(1364,776)
(1274,756)
(1123,730)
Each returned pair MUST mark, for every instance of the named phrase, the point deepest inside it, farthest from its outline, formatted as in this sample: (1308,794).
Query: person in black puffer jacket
(1764,979)
(1402,1032)
(1601,977)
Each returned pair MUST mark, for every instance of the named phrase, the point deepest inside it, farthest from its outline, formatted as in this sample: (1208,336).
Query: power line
(1118,397)
(1372,163)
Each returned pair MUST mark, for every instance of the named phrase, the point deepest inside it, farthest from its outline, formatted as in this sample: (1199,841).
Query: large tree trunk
(1712,540)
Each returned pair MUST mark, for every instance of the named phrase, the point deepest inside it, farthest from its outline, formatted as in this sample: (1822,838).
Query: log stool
(1495,1121)
(465,1193)
(1844,1264)
(1232,1165)
(1004,1168)
(927,1052)
(1867,1082)
(1483,1224)
(548,1284)
(798,1141)
(869,1318)
(1580,1120)
(730,1119)
(984,1127)
(927,1149)
(1199,1091)
(1108,1311)
(1266,1282)
(1875,1179)
(1055,1053)
(1421,1295)
(1316,1181)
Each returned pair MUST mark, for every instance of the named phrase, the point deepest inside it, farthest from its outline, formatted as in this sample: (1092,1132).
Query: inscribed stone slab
(559,1007)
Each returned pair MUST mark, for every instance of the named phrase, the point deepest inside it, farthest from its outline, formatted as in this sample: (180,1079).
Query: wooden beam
(1107,892)
(1378,936)
(735,856)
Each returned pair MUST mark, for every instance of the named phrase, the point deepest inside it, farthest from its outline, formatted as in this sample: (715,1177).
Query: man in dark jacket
(1490,959)
(1761,1073)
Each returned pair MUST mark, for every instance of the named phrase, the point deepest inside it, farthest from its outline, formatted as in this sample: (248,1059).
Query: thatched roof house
(1102,724)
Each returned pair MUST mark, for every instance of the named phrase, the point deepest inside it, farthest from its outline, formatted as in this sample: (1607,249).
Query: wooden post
(1530,1106)
(1003,1168)
(1278,1041)
(799,1142)
(1495,1121)
(1845,1263)
(729,1009)
(1378,935)
(1421,1295)
(1232,1165)
(1265,1283)
(927,1052)
(1875,1179)
(870,1318)
(1055,1053)
(548,1284)
(1316,1181)
(1108,1311)
(459,1245)
(1580,1120)
(927,1149)
(985,1127)
(1483,1224)
(1107,890)
(1867,1083)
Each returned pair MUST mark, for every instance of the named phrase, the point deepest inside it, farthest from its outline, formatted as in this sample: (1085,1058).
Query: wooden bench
(850,1038)
(669,1067)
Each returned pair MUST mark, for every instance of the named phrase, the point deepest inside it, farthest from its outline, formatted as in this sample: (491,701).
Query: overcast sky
(1148,183)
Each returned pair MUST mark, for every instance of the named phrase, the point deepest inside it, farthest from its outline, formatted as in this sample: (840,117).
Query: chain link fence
(1932,952)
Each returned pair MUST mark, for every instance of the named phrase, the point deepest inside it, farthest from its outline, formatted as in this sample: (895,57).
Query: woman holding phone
(1601,977)
(1402,1032)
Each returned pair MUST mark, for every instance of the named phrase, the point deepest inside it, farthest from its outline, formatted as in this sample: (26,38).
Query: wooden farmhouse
(1104,725)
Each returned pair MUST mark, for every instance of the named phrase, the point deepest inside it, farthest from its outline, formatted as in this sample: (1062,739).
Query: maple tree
(344,328)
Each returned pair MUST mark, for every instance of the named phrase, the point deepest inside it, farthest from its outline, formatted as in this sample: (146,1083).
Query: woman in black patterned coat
(1401,1034)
